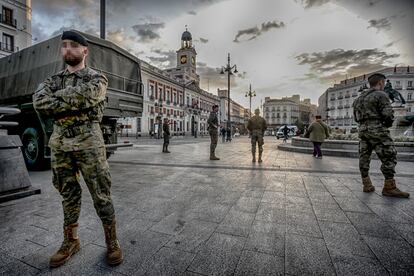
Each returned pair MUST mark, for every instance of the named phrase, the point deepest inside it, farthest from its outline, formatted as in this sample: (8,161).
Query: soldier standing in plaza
(374,114)
(75,99)
(212,129)
(257,126)
(166,130)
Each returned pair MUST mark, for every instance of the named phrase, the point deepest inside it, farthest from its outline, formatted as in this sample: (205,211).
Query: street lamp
(250,94)
(228,68)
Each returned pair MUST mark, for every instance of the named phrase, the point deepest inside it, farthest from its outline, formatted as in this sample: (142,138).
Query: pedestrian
(285,131)
(213,131)
(317,132)
(75,99)
(374,114)
(228,132)
(223,134)
(166,130)
(257,126)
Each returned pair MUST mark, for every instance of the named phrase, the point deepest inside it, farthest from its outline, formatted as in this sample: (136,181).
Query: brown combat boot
(70,245)
(260,157)
(390,189)
(114,253)
(213,157)
(368,187)
(254,157)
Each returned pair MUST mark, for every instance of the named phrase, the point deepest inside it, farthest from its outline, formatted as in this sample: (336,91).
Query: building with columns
(15,26)
(238,114)
(175,94)
(340,97)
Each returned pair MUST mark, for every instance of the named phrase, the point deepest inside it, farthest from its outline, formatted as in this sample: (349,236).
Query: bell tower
(187,58)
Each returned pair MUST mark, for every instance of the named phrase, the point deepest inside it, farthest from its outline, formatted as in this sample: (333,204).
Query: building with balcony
(15,26)
(340,97)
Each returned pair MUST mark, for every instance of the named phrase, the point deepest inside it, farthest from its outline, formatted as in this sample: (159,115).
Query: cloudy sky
(281,47)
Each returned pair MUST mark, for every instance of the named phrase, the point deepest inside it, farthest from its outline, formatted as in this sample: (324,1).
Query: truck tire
(33,149)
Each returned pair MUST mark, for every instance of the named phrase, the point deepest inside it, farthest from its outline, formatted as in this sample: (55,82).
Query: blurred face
(381,84)
(215,109)
(72,52)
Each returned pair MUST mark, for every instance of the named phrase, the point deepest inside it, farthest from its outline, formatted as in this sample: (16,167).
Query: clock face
(183,59)
(193,60)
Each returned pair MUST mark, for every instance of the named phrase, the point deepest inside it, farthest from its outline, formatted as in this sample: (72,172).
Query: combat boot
(254,157)
(70,245)
(368,187)
(213,157)
(260,158)
(390,189)
(114,253)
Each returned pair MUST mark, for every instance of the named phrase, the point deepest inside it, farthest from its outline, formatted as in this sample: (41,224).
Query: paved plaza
(182,214)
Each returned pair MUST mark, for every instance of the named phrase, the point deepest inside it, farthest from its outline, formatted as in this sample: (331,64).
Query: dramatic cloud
(203,40)
(255,31)
(313,3)
(148,32)
(336,63)
(212,79)
(380,24)
(164,60)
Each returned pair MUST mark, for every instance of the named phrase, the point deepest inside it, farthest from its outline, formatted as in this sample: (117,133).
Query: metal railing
(8,47)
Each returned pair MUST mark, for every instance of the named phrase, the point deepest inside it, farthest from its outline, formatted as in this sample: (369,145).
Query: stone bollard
(14,177)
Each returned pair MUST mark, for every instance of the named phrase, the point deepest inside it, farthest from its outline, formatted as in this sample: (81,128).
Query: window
(410,84)
(8,43)
(7,17)
(409,96)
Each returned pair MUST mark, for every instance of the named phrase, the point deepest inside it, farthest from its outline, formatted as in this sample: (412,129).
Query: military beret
(214,106)
(75,36)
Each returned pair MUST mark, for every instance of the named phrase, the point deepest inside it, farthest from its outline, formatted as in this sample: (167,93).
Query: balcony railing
(340,107)
(354,94)
(332,99)
(398,87)
(11,22)
(347,96)
(8,47)
(332,108)
(347,106)
(340,97)
(410,87)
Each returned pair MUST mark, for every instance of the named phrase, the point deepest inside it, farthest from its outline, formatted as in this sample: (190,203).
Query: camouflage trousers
(383,145)
(257,137)
(214,140)
(92,164)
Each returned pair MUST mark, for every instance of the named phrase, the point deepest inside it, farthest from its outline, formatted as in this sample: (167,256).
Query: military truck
(23,71)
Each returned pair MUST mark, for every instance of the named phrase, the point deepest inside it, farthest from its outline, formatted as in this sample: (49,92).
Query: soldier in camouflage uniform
(166,130)
(374,114)
(212,129)
(75,100)
(257,126)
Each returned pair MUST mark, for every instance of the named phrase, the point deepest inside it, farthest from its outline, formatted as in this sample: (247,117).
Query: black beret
(214,106)
(75,36)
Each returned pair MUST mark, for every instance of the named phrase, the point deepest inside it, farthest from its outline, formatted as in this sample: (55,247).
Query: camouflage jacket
(75,102)
(212,121)
(166,128)
(373,111)
(257,123)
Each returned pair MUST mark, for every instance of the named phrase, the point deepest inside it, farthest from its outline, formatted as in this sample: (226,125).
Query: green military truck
(23,71)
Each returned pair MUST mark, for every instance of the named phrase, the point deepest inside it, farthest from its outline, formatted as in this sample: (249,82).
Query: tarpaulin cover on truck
(23,71)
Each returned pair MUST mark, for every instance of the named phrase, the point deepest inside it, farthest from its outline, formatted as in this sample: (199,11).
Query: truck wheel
(33,149)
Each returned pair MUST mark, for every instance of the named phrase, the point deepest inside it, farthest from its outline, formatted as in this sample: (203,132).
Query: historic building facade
(340,97)
(15,26)
(175,94)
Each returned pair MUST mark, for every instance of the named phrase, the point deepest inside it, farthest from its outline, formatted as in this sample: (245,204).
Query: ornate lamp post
(228,68)
(250,94)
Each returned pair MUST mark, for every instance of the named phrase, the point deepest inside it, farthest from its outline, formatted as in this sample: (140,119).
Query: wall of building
(18,28)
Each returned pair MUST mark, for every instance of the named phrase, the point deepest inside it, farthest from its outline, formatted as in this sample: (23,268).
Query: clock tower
(187,59)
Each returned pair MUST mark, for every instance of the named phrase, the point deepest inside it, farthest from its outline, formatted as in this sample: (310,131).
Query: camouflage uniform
(374,114)
(166,129)
(212,129)
(257,126)
(76,102)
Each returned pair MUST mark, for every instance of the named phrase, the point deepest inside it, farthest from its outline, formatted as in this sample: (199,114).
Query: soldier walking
(374,114)
(166,129)
(75,99)
(212,129)
(257,126)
